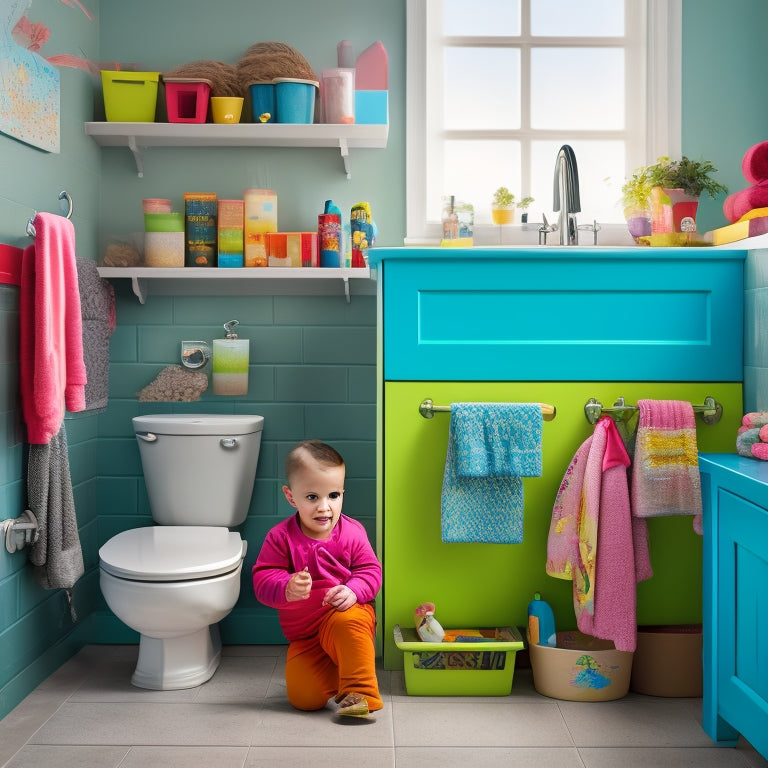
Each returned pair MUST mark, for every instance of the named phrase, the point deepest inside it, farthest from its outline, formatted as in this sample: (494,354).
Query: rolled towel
(746,440)
(740,203)
(755,419)
(754,166)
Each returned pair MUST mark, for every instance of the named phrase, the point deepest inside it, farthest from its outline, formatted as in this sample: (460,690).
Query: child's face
(317,491)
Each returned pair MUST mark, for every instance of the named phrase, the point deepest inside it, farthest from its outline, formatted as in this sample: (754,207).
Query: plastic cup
(226,109)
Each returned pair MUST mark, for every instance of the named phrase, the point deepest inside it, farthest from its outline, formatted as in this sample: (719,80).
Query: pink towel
(52,373)
(594,540)
(754,165)
(665,472)
(743,201)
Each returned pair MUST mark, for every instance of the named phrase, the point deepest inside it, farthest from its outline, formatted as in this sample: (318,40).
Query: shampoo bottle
(541,623)
(230,363)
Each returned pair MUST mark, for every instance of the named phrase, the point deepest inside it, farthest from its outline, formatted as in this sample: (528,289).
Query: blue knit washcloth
(490,447)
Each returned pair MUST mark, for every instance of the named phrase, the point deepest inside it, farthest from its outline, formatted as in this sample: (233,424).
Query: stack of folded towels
(752,440)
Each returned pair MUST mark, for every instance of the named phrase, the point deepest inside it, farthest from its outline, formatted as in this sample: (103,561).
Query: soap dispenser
(230,363)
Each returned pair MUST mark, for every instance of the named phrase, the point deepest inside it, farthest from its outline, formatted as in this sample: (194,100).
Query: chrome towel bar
(428,409)
(711,411)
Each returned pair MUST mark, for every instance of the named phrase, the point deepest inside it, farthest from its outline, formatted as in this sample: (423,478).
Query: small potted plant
(503,206)
(670,191)
(523,206)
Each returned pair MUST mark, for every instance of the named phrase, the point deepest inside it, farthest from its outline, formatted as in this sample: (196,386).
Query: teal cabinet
(735,602)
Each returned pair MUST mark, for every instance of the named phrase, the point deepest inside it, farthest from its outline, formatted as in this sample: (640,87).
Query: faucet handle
(545,229)
(594,227)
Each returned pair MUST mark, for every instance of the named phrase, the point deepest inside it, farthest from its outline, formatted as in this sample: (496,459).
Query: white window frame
(661,107)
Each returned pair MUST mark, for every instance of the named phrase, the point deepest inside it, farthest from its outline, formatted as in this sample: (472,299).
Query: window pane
(473,170)
(473,99)
(601,175)
(488,18)
(586,18)
(577,88)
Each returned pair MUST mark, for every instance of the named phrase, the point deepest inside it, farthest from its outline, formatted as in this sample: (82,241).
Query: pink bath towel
(594,541)
(52,372)
(665,472)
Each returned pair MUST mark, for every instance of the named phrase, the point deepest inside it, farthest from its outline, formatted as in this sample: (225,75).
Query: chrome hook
(63,195)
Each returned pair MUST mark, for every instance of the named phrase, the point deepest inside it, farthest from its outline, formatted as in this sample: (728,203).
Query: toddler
(318,569)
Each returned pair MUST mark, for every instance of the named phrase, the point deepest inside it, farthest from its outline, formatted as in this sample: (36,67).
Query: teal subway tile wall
(312,368)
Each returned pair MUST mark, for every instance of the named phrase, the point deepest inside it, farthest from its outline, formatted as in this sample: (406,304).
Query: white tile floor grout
(88,715)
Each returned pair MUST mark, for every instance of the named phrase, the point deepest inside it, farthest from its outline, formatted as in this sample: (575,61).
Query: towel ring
(63,195)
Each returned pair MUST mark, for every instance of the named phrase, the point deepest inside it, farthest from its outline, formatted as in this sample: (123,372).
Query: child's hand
(299,587)
(340,597)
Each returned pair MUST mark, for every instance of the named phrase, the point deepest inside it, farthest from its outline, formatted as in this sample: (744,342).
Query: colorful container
(459,668)
(580,668)
(292,249)
(263,102)
(226,109)
(230,226)
(295,100)
(187,99)
(201,229)
(329,239)
(260,220)
(130,97)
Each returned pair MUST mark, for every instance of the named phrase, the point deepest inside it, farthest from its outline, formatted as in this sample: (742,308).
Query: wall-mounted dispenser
(195,354)
(230,363)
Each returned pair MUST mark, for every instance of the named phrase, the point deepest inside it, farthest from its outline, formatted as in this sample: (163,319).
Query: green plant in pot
(503,206)
(670,190)
(523,206)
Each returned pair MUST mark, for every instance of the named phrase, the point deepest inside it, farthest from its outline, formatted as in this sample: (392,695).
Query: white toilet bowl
(172,584)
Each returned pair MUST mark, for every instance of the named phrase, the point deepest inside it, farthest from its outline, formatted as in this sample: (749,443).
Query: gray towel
(97,307)
(57,552)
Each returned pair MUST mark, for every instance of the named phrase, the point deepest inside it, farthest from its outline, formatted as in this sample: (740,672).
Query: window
(495,87)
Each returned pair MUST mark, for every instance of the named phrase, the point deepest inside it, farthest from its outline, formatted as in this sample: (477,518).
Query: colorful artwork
(29,84)
(589,673)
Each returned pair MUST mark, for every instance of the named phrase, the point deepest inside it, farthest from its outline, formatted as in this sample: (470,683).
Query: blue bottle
(541,622)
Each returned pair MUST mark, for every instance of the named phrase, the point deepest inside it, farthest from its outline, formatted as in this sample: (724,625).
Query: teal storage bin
(263,101)
(295,100)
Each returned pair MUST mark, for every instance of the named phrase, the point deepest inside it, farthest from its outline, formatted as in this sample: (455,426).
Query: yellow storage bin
(130,97)
(459,668)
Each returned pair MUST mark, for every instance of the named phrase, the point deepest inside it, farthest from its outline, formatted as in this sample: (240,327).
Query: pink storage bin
(187,99)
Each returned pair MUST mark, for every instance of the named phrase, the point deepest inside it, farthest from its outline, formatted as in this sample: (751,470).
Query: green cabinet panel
(476,585)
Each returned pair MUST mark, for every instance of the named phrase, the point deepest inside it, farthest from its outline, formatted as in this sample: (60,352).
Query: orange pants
(340,659)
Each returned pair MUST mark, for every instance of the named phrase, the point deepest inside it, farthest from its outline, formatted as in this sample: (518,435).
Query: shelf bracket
(138,156)
(344,148)
(346,289)
(139,289)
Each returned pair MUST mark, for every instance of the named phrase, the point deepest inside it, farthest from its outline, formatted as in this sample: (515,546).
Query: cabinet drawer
(547,315)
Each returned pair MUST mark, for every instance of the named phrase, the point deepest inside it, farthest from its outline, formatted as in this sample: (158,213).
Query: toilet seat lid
(172,553)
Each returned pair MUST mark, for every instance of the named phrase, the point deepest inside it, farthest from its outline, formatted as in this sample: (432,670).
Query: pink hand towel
(52,373)
(665,472)
(754,166)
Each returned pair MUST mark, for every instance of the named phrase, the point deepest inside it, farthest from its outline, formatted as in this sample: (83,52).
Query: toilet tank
(199,469)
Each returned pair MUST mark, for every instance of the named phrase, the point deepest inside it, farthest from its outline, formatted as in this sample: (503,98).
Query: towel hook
(63,195)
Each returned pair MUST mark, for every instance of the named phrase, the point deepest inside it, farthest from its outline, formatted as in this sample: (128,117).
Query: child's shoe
(353,705)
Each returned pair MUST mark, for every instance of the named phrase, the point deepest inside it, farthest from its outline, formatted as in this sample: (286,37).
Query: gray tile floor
(88,715)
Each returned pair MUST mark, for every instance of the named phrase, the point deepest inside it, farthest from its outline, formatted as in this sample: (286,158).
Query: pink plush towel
(594,540)
(52,372)
(665,472)
(743,201)
(754,165)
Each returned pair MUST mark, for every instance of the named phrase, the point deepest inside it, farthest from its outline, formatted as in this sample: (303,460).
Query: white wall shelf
(140,136)
(273,281)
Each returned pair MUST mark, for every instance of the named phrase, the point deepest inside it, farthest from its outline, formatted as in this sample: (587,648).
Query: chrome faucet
(566,195)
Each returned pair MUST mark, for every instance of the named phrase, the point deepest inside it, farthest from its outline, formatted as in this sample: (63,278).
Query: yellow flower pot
(502,216)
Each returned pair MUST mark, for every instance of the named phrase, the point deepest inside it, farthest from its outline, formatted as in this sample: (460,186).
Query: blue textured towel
(490,447)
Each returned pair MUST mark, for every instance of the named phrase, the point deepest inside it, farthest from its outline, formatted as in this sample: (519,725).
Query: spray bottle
(541,623)
(230,363)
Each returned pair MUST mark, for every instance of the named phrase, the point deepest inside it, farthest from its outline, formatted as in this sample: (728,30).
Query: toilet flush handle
(147,437)
(228,442)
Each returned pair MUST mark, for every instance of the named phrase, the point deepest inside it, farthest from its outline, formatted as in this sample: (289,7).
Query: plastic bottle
(541,622)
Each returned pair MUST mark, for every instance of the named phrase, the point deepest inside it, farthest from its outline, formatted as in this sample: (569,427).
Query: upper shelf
(199,281)
(138,136)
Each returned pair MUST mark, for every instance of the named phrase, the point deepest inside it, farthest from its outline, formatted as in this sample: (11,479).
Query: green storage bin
(130,97)
(458,668)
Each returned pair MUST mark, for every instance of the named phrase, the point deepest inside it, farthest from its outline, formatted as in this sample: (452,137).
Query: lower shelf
(264,281)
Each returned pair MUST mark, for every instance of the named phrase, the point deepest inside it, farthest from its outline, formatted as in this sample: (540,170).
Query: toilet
(174,581)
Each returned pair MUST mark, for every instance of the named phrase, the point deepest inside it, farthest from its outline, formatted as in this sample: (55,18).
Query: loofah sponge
(223,77)
(175,384)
